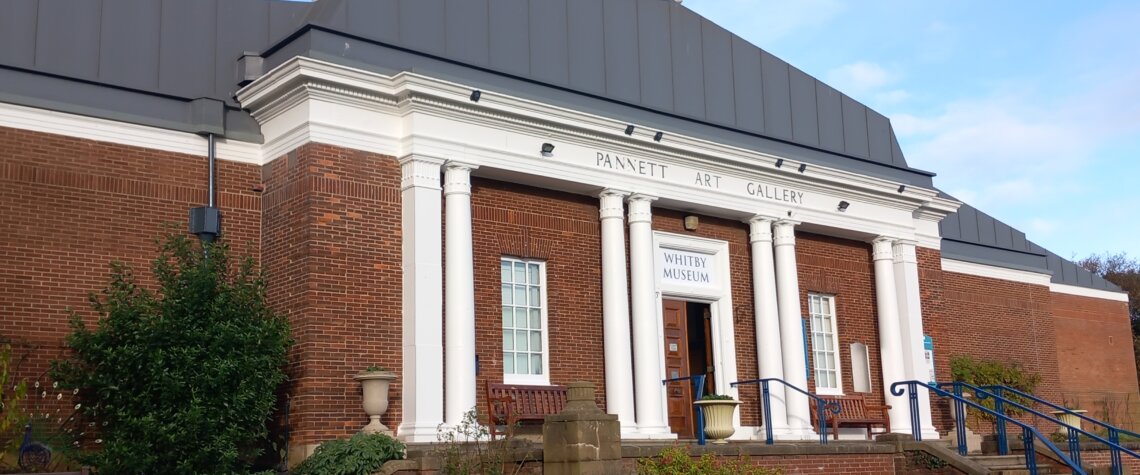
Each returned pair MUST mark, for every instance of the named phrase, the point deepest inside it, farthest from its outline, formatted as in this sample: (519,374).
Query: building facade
(525,192)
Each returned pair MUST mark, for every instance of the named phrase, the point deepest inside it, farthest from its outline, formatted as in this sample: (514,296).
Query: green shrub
(181,379)
(677,461)
(363,454)
(717,397)
(986,373)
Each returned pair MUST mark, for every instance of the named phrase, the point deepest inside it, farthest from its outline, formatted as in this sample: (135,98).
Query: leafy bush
(12,395)
(677,461)
(467,448)
(363,454)
(717,397)
(181,379)
(986,373)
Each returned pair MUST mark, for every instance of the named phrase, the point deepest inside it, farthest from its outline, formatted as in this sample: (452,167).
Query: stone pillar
(459,311)
(910,323)
(890,338)
(648,366)
(791,329)
(581,439)
(615,312)
(768,347)
(421,263)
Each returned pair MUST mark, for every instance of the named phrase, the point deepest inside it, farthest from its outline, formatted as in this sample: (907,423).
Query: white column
(422,298)
(648,364)
(459,310)
(768,352)
(615,312)
(890,338)
(910,320)
(791,329)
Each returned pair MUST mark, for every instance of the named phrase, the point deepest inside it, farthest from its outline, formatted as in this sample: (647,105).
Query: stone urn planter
(1069,417)
(374,383)
(718,418)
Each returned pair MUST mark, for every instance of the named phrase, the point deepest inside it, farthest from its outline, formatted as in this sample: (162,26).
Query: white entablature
(306,100)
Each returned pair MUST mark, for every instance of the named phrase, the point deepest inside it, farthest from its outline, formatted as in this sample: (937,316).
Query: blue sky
(1030,111)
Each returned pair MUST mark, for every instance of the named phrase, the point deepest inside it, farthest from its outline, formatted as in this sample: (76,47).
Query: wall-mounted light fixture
(902,188)
(629,130)
(779,162)
(842,208)
(657,136)
(692,222)
(475,95)
(547,149)
(803,166)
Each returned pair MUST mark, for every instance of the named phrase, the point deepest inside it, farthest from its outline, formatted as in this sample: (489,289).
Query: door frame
(717,294)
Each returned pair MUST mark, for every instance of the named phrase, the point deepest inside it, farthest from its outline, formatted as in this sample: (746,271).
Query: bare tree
(1123,271)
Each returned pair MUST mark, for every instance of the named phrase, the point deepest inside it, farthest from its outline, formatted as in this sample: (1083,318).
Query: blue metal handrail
(698,381)
(1113,431)
(1073,433)
(821,405)
(1028,432)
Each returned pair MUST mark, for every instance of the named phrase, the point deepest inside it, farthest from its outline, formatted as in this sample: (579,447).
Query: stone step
(1009,465)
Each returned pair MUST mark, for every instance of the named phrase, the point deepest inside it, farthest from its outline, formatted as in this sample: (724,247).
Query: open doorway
(688,352)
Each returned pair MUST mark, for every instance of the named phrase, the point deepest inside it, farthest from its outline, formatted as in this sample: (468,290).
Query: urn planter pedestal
(718,418)
(374,385)
(1068,417)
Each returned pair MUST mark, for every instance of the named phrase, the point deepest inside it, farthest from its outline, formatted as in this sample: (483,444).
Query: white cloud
(859,77)
(891,97)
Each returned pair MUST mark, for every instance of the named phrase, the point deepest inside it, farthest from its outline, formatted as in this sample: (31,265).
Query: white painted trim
(995,272)
(104,130)
(838,355)
(1087,292)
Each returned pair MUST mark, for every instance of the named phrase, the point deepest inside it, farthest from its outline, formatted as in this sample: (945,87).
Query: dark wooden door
(680,394)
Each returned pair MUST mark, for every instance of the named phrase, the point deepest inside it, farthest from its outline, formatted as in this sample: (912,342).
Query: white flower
(43,394)
(77,406)
(75,391)
(55,385)
(58,396)
(37,384)
(98,441)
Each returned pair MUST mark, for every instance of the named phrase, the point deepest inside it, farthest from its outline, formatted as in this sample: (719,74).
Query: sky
(1029,111)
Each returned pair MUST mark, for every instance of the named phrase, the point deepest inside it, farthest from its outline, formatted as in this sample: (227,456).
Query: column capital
(611,203)
(882,248)
(640,208)
(457,177)
(419,171)
(785,232)
(904,251)
(760,228)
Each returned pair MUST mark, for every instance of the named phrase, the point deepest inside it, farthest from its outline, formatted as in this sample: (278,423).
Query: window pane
(520,295)
(831,379)
(814,306)
(520,272)
(520,364)
(536,341)
(532,274)
(508,363)
(535,319)
(508,317)
(507,300)
(520,317)
(505,271)
(521,339)
(534,300)
(535,364)
(827,306)
(508,340)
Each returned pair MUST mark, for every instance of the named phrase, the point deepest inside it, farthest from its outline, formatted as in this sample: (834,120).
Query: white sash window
(825,344)
(525,350)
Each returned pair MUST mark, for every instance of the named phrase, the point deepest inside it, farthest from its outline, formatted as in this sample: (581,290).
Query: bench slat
(512,403)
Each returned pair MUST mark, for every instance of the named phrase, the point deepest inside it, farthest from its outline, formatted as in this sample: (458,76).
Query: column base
(650,433)
(422,432)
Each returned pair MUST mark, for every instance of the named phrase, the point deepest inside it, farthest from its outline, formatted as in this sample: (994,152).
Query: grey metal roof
(973,236)
(174,64)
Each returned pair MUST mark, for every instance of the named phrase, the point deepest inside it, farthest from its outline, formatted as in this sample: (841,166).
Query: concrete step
(1009,465)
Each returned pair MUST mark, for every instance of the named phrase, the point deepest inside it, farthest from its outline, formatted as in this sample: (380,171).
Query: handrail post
(960,419)
(915,424)
(699,381)
(1114,437)
(999,423)
(1074,445)
(767,412)
(819,408)
(1030,450)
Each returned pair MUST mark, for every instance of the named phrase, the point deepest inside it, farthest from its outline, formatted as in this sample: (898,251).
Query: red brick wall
(1101,381)
(563,230)
(843,268)
(72,206)
(331,235)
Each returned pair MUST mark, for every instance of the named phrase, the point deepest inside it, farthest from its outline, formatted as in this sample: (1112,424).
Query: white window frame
(815,352)
(534,379)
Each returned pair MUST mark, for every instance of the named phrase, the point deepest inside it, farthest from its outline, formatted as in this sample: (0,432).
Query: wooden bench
(854,412)
(513,404)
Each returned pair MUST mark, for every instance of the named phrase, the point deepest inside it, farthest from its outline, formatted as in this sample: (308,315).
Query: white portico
(436,129)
